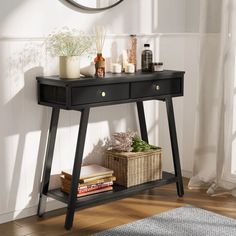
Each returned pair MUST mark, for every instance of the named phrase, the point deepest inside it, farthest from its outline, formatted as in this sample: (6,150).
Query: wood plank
(139,206)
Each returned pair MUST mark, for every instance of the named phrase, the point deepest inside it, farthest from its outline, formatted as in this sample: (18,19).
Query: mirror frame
(74,3)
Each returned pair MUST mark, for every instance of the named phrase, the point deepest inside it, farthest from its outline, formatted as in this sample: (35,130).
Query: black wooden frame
(119,192)
(75,4)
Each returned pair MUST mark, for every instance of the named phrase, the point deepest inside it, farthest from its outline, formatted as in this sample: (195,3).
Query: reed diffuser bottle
(99,65)
(99,61)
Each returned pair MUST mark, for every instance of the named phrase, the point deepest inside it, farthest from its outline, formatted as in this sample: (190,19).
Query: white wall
(30,18)
(24,124)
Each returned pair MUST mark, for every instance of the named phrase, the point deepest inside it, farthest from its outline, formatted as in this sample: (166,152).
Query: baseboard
(29,211)
(187,174)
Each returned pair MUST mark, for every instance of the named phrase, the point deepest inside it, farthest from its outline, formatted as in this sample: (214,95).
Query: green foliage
(141,146)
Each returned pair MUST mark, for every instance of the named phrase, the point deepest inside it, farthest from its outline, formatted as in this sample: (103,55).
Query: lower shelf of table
(118,192)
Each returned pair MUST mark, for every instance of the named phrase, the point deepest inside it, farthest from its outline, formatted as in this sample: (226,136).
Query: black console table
(85,93)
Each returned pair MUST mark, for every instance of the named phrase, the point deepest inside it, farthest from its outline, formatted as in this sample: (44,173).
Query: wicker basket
(133,168)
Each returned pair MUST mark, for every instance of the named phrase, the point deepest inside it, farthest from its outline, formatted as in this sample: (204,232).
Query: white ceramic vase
(69,67)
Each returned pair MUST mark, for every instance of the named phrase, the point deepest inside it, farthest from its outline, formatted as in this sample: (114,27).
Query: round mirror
(94,5)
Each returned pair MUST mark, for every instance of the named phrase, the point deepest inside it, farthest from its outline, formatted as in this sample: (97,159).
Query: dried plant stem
(100,33)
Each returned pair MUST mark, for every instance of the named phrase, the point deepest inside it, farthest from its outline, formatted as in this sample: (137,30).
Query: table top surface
(112,78)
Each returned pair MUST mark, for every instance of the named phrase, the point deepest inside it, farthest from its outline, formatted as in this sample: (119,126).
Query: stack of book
(93,179)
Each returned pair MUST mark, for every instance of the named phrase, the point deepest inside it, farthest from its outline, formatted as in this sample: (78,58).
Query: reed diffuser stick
(100,33)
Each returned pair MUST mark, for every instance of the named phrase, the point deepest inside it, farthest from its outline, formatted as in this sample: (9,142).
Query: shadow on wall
(96,154)
(8,7)
(29,123)
(28,119)
(22,108)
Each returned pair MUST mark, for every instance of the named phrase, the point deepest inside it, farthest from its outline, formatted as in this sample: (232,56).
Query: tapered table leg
(142,121)
(48,160)
(77,167)
(174,146)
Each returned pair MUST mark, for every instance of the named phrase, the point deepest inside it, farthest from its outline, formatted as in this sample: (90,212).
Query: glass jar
(158,66)
(133,50)
(146,59)
(99,66)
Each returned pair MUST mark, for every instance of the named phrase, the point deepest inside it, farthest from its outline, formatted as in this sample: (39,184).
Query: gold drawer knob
(157,87)
(103,94)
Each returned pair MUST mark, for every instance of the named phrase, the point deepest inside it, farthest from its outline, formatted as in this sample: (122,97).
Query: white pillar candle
(129,68)
(125,59)
(116,68)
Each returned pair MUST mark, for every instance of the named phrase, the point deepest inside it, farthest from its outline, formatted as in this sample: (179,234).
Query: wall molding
(152,35)
(187,174)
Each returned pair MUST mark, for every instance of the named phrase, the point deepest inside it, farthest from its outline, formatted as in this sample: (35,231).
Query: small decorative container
(130,68)
(116,68)
(99,66)
(69,67)
(157,66)
(133,168)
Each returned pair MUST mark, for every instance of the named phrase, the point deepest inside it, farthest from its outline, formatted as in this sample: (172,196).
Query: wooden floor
(102,217)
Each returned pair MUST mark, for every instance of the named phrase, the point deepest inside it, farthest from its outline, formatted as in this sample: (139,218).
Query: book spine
(94,187)
(90,188)
(66,181)
(104,189)
(89,179)
(95,191)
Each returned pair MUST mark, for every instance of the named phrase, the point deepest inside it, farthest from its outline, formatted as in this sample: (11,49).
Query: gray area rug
(183,221)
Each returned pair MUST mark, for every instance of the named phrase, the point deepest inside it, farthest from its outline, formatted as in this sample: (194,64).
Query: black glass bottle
(146,59)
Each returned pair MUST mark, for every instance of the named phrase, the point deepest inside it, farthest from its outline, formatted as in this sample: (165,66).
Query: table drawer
(156,88)
(100,93)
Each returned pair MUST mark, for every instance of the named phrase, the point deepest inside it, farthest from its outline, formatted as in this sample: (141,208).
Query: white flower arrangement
(69,42)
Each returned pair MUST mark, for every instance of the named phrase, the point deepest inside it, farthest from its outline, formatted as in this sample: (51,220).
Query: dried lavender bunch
(122,141)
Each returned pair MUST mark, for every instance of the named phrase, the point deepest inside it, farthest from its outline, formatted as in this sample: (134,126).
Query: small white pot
(69,67)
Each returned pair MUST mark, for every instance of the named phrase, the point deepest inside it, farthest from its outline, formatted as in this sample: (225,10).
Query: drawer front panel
(101,93)
(156,88)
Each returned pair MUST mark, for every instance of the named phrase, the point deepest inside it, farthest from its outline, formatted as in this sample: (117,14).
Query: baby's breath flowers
(69,42)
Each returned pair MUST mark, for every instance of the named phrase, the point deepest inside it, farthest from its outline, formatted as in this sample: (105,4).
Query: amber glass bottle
(99,65)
